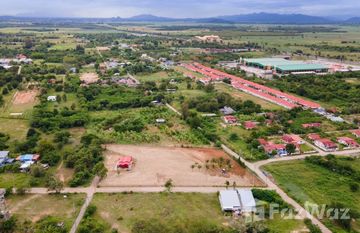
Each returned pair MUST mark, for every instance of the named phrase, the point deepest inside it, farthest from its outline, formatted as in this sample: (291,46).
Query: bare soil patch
(89,78)
(155,165)
(25,97)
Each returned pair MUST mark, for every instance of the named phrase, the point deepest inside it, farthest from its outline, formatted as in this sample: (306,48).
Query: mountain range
(254,18)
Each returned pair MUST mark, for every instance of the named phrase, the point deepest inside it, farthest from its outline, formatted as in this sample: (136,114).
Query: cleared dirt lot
(25,97)
(155,165)
(89,78)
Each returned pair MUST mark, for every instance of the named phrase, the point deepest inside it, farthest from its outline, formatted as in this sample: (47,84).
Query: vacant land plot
(15,128)
(175,209)
(35,207)
(314,184)
(155,165)
(155,77)
(89,78)
(25,97)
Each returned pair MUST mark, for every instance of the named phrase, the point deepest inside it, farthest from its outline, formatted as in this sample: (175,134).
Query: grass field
(8,180)
(174,208)
(314,184)
(16,128)
(36,207)
(155,77)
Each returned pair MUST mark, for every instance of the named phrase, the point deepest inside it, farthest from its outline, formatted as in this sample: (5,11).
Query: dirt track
(155,165)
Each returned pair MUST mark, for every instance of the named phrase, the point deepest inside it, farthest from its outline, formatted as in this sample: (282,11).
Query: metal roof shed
(229,200)
(247,200)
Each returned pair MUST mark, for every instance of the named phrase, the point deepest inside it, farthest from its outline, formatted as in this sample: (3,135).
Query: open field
(314,184)
(35,207)
(16,128)
(89,78)
(23,101)
(171,209)
(156,77)
(155,165)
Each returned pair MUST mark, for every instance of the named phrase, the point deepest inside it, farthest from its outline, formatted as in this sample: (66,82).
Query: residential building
(250,125)
(279,149)
(51,98)
(356,133)
(230,119)
(326,144)
(227,110)
(348,142)
(313,136)
(311,125)
(293,138)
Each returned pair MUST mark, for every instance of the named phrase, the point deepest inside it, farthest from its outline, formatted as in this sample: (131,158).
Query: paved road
(255,167)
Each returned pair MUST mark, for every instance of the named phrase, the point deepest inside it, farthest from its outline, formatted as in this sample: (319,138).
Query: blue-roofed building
(28,157)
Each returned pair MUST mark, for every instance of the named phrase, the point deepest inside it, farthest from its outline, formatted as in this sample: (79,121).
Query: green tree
(169,185)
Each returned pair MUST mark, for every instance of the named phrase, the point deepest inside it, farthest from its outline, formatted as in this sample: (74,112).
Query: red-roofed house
(349,142)
(229,119)
(292,138)
(326,144)
(263,142)
(311,125)
(313,136)
(356,132)
(125,162)
(280,149)
(250,124)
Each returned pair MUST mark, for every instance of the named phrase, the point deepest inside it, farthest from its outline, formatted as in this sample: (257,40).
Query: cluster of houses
(279,149)
(25,160)
(328,145)
(6,63)
(125,81)
(230,119)
(239,201)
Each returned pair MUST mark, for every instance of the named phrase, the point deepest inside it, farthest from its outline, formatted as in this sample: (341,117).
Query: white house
(51,98)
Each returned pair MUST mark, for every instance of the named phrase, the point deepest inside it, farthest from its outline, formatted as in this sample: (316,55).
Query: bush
(354,187)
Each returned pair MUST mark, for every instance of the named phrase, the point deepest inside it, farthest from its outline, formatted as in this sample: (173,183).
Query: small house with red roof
(313,136)
(230,119)
(263,142)
(125,162)
(348,142)
(326,144)
(280,149)
(311,125)
(356,132)
(292,139)
(250,125)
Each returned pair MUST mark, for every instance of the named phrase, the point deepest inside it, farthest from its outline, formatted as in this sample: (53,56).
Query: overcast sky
(176,8)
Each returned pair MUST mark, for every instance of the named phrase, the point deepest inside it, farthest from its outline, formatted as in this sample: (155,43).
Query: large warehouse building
(282,66)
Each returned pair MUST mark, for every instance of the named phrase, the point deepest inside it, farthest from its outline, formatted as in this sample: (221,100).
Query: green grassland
(171,209)
(306,182)
(36,207)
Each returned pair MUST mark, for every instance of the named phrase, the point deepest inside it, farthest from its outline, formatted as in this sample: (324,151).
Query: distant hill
(354,20)
(268,18)
(254,18)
